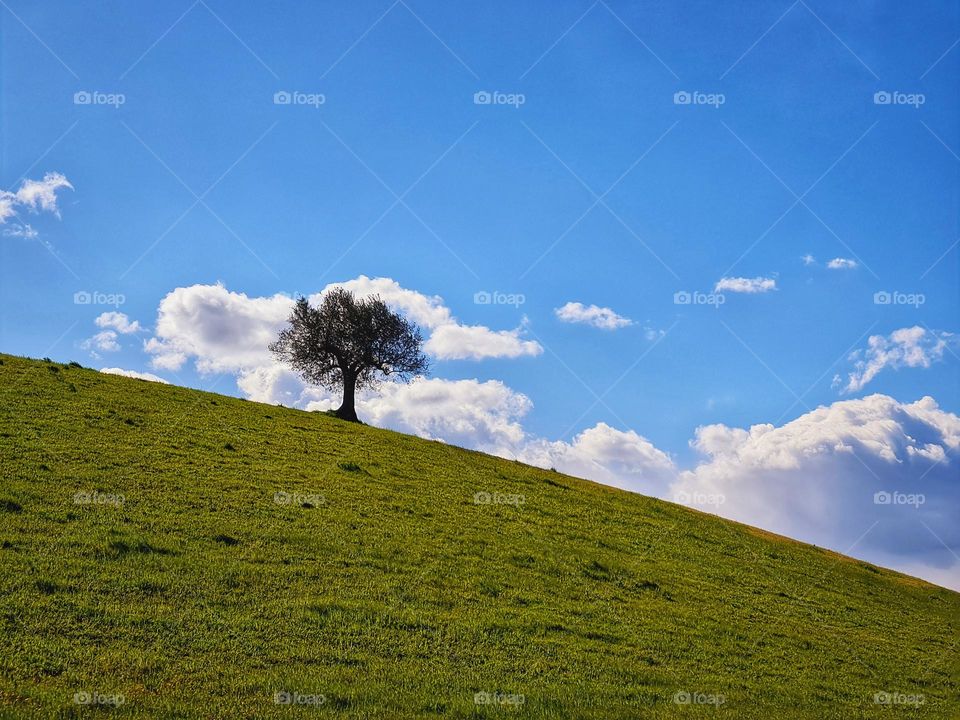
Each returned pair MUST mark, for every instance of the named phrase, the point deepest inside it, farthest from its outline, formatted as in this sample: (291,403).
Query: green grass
(376,581)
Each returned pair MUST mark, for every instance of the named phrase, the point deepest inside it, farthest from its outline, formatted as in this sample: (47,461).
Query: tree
(350,342)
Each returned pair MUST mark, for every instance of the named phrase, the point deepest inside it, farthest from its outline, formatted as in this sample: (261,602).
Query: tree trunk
(347,411)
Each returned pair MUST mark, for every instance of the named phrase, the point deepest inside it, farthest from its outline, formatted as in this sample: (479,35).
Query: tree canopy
(350,342)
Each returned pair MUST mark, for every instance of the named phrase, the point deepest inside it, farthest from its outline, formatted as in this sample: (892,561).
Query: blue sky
(599,188)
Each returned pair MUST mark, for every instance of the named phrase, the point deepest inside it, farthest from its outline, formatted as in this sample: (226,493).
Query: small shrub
(144,548)
(10,506)
(46,587)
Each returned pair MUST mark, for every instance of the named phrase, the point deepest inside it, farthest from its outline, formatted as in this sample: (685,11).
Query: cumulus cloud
(745,285)
(225,331)
(907,347)
(112,324)
(34,196)
(621,458)
(117,321)
(600,317)
(222,331)
(105,341)
(476,342)
(134,374)
(481,415)
(842,264)
(838,472)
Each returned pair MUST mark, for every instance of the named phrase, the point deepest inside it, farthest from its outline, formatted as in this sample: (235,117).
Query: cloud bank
(871,477)
(224,331)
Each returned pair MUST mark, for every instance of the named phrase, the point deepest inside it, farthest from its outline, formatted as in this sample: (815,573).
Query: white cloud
(105,341)
(227,331)
(841,264)
(815,479)
(117,321)
(134,374)
(223,331)
(34,195)
(476,342)
(111,323)
(906,347)
(809,259)
(480,415)
(20,230)
(745,285)
(600,317)
(615,457)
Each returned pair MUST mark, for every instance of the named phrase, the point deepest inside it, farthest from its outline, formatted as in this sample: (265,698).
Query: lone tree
(350,342)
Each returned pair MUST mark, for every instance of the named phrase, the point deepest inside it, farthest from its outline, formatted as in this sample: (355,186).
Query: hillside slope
(197,554)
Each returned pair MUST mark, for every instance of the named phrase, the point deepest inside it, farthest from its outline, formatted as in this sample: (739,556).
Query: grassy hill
(198,554)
